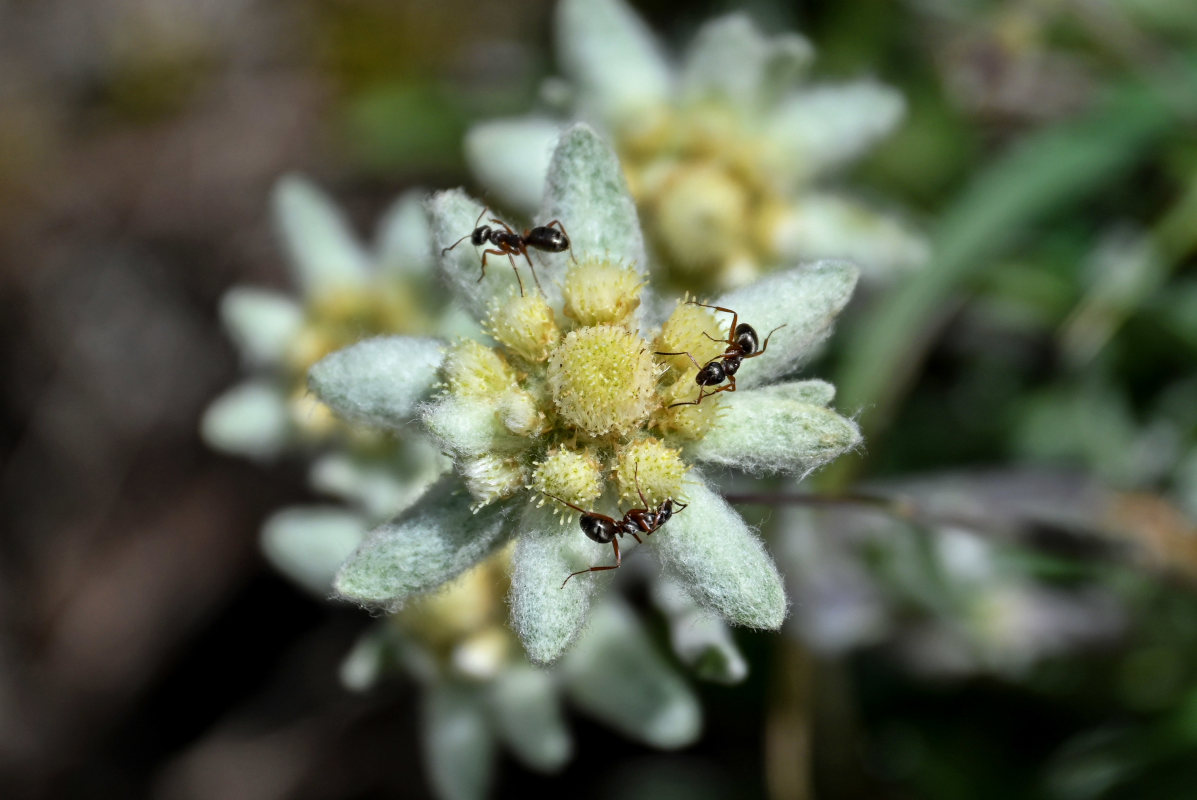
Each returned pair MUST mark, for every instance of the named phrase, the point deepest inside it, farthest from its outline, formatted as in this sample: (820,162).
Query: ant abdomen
(597,528)
(548,239)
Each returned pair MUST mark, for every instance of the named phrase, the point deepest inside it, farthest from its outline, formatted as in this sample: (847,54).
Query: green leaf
(1046,172)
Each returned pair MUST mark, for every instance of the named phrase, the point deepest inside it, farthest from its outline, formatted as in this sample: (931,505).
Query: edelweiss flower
(573,406)
(480,690)
(346,294)
(724,153)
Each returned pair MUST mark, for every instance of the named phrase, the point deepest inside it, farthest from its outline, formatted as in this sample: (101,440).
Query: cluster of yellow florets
(603,380)
(706,194)
(576,403)
(464,624)
(335,319)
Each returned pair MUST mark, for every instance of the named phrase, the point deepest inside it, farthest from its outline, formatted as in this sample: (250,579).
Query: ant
(636,521)
(741,344)
(509,243)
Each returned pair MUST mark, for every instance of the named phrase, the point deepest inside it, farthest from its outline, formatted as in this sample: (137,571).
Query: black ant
(636,521)
(741,344)
(509,243)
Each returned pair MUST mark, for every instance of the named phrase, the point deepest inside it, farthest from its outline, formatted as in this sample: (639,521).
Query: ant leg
(581,511)
(701,394)
(766,344)
(485,253)
(618,561)
(504,224)
(557,222)
(735,318)
(636,478)
(683,353)
(730,386)
(516,270)
(532,267)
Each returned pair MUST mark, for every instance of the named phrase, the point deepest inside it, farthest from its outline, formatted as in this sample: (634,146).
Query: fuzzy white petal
(428,544)
(612,58)
(818,129)
(616,674)
(510,158)
(251,419)
(707,548)
(774,429)
(378,381)
(586,190)
(820,225)
(528,717)
(455,215)
(700,639)
(321,248)
(458,743)
(805,299)
(404,237)
(547,615)
(731,61)
(308,544)
(262,324)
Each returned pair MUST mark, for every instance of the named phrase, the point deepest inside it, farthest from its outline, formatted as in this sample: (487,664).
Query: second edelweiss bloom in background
(726,152)
(572,406)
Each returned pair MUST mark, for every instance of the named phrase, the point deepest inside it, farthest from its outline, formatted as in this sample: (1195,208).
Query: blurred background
(999,604)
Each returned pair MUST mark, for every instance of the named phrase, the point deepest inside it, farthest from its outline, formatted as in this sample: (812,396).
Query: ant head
(480,235)
(599,529)
(548,239)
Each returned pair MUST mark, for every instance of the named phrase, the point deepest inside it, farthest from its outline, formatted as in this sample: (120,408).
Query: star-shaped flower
(726,153)
(574,407)
(345,292)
